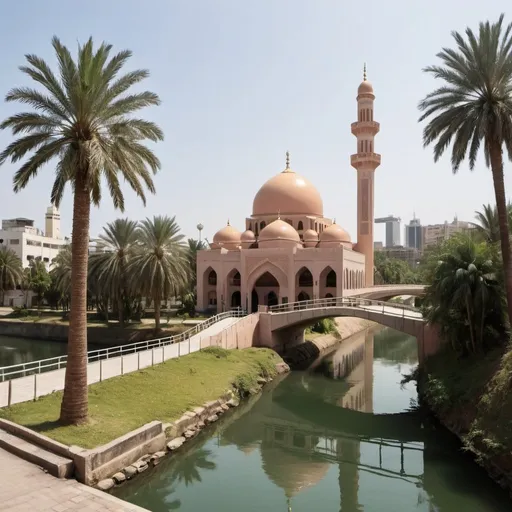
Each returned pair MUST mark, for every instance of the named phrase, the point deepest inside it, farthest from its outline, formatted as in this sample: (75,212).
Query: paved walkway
(25,487)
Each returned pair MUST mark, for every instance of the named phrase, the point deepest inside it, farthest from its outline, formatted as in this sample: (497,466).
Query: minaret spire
(287,159)
(365,161)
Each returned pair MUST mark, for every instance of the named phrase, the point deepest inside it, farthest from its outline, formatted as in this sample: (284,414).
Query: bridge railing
(56,363)
(391,308)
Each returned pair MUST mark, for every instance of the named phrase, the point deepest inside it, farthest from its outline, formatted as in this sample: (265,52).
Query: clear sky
(241,82)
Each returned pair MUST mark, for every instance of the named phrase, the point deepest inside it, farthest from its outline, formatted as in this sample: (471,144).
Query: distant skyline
(243,82)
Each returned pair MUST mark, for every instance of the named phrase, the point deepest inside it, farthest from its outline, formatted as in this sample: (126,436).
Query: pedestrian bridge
(387,291)
(282,326)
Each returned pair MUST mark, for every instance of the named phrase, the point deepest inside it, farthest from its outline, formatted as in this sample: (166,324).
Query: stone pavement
(25,487)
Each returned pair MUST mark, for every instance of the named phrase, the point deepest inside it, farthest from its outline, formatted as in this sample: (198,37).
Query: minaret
(365,161)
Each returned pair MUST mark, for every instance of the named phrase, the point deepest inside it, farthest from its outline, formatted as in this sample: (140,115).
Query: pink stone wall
(242,334)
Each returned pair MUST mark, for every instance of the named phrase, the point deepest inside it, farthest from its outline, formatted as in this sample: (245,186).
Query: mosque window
(212,298)
(367,114)
(212,278)
(289,222)
(305,278)
(371,147)
(256,229)
(300,226)
(371,114)
(250,226)
(262,224)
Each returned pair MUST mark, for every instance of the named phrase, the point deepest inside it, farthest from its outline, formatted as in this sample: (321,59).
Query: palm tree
(40,280)
(61,270)
(11,271)
(110,262)
(487,224)
(474,106)
(83,119)
(187,469)
(159,266)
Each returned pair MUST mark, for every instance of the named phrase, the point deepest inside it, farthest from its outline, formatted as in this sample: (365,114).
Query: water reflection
(316,441)
(23,350)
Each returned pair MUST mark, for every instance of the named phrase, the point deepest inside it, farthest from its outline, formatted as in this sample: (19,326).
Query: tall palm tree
(83,119)
(116,246)
(40,280)
(11,271)
(159,266)
(474,106)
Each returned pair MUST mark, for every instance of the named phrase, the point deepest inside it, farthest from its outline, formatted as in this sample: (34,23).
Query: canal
(344,435)
(15,350)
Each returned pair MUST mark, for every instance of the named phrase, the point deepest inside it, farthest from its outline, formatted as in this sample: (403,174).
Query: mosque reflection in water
(310,422)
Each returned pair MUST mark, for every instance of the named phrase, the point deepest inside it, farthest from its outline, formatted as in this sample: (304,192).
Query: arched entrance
(302,296)
(304,283)
(236,299)
(254,301)
(328,282)
(266,290)
(210,288)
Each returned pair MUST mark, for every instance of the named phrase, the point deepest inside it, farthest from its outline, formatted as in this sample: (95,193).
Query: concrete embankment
(346,327)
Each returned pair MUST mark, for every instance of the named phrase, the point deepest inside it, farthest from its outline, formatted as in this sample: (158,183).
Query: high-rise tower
(365,161)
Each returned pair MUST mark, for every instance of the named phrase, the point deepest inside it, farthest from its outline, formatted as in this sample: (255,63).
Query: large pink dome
(289,194)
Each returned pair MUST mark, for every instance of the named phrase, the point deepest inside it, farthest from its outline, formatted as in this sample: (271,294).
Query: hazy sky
(243,81)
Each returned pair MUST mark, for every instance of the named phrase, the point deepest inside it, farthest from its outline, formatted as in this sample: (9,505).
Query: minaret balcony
(364,127)
(365,160)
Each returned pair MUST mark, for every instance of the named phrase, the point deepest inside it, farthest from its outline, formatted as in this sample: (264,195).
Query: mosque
(289,250)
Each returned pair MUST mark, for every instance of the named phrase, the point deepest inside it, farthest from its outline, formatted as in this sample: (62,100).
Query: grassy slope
(473,397)
(163,392)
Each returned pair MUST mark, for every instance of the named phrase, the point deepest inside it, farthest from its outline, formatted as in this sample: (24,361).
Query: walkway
(24,487)
(27,388)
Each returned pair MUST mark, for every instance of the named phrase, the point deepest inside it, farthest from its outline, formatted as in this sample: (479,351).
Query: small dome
(228,238)
(310,238)
(247,239)
(289,193)
(334,234)
(310,234)
(365,88)
(279,230)
(248,236)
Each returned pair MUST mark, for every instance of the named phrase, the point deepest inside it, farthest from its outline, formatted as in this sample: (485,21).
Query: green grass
(162,392)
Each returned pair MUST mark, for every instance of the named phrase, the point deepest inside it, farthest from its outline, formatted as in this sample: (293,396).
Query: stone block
(199,411)
(211,419)
(130,471)
(233,402)
(105,485)
(175,443)
(157,457)
(189,434)
(225,407)
(119,478)
(140,466)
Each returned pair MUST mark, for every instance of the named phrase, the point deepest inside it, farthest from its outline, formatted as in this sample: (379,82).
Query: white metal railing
(56,363)
(349,302)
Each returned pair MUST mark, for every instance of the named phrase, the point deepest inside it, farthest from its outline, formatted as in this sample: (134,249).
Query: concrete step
(56,465)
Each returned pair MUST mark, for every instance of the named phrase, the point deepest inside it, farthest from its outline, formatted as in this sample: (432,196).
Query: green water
(341,436)
(24,350)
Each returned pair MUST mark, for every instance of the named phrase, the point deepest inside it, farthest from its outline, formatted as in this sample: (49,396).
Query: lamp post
(200,228)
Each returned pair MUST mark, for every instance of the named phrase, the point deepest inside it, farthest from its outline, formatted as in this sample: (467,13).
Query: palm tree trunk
(471,326)
(120,307)
(157,314)
(501,205)
(75,400)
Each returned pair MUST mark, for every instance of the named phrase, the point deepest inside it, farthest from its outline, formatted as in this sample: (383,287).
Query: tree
(11,271)
(474,106)
(487,224)
(61,271)
(110,262)
(159,266)
(464,296)
(83,119)
(40,280)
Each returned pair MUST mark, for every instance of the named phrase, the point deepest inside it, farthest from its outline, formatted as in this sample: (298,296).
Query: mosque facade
(290,251)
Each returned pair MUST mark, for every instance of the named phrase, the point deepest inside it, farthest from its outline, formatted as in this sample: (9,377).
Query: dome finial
(364,72)
(287,159)
(229,223)
(278,214)
(334,220)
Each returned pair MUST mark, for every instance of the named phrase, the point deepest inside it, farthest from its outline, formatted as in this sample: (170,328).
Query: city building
(289,250)
(414,234)
(392,229)
(28,243)
(436,233)
(410,255)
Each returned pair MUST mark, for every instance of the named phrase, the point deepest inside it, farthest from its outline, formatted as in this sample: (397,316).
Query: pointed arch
(303,278)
